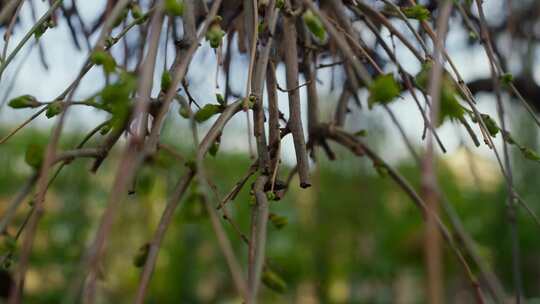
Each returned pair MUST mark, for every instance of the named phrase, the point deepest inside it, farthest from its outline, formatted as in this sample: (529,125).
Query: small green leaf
(54,108)
(314,25)
(220,99)
(508,137)
(278,221)
(24,101)
(491,125)
(105,59)
(136,12)
(215,34)
(174,7)
(184,111)
(418,12)
(273,281)
(381,168)
(361,133)
(34,155)
(507,79)
(166,81)
(529,154)
(206,112)
(121,17)
(383,90)
(42,28)
(142,254)
(214,148)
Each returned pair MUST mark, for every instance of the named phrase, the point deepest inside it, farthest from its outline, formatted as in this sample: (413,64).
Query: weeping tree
(366,42)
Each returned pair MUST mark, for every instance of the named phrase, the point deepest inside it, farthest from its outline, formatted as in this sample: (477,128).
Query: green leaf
(206,112)
(507,79)
(184,111)
(278,221)
(34,155)
(383,90)
(220,99)
(381,168)
(214,148)
(24,101)
(314,25)
(136,11)
(104,59)
(361,133)
(54,108)
(273,281)
(529,154)
(42,28)
(174,7)
(166,81)
(449,106)
(418,12)
(215,34)
(142,254)
(491,125)
(120,18)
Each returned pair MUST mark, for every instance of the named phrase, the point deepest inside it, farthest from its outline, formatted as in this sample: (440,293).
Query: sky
(28,76)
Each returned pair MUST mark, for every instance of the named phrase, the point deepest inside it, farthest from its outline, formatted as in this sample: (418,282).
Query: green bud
(529,154)
(206,112)
(507,79)
(184,112)
(54,108)
(214,148)
(174,7)
(383,90)
(220,99)
(142,254)
(166,81)
(418,12)
(273,281)
(105,59)
(136,12)
(361,133)
(278,221)
(34,155)
(314,25)
(491,125)
(24,101)
(215,34)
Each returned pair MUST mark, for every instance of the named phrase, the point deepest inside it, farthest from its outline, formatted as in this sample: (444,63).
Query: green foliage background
(351,238)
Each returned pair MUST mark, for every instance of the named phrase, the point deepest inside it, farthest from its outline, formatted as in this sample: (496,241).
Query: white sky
(65,62)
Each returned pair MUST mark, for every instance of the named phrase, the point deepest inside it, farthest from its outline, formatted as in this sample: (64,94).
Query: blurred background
(353,237)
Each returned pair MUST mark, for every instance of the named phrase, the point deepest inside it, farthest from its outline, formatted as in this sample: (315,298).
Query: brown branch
(295,121)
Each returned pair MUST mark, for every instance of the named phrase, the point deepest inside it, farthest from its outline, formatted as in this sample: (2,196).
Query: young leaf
(507,79)
(214,148)
(34,155)
(529,154)
(105,59)
(418,12)
(491,125)
(174,7)
(278,221)
(215,34)
(383,90)
(220,99)
(314,25)
(166,81)
(142,254)
(24,101)
(54,108)
(273,281)
(206,112)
